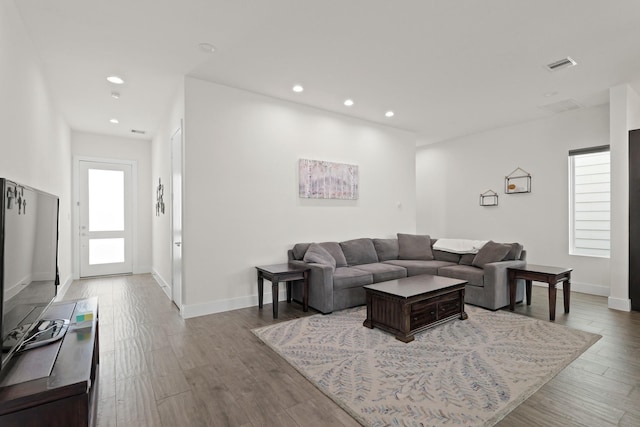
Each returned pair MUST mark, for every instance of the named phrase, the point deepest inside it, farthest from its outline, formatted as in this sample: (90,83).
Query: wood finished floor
(160,370)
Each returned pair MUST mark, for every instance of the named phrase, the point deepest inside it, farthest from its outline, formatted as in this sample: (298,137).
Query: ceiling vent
(139,132)
(561,106)
(560,64)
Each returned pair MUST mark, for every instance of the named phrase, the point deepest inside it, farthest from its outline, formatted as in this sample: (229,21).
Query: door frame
(180,130)
(76,208)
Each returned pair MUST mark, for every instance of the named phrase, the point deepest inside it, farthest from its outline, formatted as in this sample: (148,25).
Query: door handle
(177,243)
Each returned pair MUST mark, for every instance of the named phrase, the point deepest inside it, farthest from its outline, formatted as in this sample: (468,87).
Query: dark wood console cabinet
(56,384)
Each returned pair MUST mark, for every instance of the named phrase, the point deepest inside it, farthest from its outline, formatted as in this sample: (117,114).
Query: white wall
(624,116)
(161,168)
(117,148)
(451,176)
(35,143)
(241,203)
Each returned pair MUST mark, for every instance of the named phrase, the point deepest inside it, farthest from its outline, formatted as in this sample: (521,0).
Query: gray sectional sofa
(339,270)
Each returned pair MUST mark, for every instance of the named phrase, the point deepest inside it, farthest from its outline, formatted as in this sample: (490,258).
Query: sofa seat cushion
(415,267)
(349,277)
(383,272)
(359,251)
(473,275)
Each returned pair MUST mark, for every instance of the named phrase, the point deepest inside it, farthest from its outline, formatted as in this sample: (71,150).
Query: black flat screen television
(28,264)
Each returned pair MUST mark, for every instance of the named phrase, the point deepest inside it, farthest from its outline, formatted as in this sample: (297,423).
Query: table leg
(274,292)
(566,290)
(463,314)
(552,300)
(512,291)
(260,288)
(528,285)
(289,292)
(367,321)
(305,292)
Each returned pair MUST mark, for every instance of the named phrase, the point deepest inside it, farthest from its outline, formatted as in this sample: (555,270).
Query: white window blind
(590,194)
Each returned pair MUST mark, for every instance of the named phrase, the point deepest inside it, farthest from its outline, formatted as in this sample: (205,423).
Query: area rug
(465,372)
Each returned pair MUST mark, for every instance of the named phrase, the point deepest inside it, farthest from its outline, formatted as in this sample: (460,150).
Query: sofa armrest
(320,285)
(496,282)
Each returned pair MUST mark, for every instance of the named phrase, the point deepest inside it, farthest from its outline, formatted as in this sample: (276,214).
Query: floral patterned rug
(465,372)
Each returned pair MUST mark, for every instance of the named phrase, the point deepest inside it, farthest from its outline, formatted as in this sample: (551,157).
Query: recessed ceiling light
(348,102)
(207,47)
(116,80)
(114,121)
(115,95)
(389,113)
(298,88)
(550,94)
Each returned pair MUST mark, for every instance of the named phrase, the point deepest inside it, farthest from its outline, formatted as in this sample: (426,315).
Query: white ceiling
(446,67)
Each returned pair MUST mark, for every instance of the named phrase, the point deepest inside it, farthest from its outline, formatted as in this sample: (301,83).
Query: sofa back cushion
(359,251)
(320,255)
(386,249)
(414,247)
(446,256)
(466,259)
(490,252)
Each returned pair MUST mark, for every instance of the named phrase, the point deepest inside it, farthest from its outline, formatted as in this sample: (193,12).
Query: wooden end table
(541,273)
(277,273)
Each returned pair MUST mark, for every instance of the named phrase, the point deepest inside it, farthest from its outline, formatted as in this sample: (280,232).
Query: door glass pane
(106,200)
(106,251)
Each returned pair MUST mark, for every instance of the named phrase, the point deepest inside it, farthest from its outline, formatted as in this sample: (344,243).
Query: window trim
(572,195)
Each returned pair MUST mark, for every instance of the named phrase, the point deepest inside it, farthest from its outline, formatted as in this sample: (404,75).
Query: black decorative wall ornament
(160,198)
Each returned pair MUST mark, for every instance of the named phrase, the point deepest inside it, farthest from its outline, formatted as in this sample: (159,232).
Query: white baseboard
(583,288)
(166,288)
(219,306)
(64,287)
(622,304)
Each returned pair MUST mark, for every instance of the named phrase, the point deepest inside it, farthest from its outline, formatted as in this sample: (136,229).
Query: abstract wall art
(327,180)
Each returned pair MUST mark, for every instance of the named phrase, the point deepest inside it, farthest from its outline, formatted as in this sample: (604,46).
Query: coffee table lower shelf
(405,316)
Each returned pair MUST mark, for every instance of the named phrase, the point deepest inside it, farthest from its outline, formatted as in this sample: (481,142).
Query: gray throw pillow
(414,247)
(514,252)
(490,252)
(386,248)
(299,250)
(359,251)
(336,252)
(318,254)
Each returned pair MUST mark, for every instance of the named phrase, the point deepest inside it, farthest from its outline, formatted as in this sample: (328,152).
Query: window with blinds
(590,194)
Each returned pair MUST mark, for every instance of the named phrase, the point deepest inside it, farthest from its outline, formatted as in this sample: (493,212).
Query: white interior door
(176,217)
(105,218)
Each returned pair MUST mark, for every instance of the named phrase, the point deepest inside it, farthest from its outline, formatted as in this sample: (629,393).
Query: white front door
(105,218)
(176,217)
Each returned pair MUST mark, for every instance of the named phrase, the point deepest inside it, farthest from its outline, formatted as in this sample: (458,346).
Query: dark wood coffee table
(541,273)
(277,273)
(412,304)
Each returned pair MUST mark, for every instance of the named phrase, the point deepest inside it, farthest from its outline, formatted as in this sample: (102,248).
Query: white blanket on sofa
(459,246)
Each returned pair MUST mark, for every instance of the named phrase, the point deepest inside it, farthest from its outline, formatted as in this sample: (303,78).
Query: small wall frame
(489,198)
(518,181)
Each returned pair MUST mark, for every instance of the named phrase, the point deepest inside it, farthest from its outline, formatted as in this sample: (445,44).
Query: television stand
(55,383)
